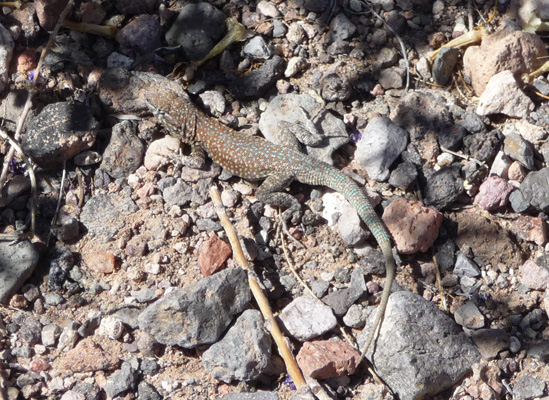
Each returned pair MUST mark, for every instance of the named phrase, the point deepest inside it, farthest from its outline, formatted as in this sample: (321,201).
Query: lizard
(254,158)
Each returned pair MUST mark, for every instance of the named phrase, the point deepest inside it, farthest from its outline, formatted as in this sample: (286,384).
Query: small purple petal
(290,382)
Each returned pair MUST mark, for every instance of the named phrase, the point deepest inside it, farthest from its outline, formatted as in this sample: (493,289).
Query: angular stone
(199,313)
(413,226)
(325,359)
(306,318)
(243,353)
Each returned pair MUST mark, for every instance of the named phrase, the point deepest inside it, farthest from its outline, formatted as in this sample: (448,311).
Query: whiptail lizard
(254,158)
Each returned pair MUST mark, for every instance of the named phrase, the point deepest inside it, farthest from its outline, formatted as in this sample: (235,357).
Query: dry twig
(34,197)
(32,91)
(258,294)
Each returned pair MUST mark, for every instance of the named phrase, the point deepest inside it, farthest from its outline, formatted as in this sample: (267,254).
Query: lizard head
(162,104)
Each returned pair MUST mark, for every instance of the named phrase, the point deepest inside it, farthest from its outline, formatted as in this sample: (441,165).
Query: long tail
(354,195)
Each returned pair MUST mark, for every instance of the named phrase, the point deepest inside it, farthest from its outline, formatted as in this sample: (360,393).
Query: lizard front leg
(197,158)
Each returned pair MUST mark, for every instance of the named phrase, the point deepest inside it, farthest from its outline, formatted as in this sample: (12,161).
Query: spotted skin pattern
(254,158)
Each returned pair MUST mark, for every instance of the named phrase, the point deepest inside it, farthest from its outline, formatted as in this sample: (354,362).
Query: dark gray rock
(392,78)
(101,214)
(472,122)
(341,300)
(256,83)
(179,194)
(444,187)
(122,380)
(520,150)
(444,64)
(124,152)
(445,254)
(452,137)
(341,28)
(197,29)
(89,390)
(482,146)
(373,262)
(17,262)
(135,7)
(335,87)
(528,387)
(424,114)
(6,53)
(530,189)
(243,353)
(403,175)
(141,35)
(147,392)
(30,329)
(381,143)
(540,351)
(313,5)
(59,132)
(518,202)
(197,314)
(420,351)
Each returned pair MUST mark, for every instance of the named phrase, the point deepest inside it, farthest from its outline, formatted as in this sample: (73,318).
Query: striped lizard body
(254,158)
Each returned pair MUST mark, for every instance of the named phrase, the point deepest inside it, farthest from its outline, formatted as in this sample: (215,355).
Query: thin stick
(59,198)
(400,42)
(260,298)
(16,147)
(32,91)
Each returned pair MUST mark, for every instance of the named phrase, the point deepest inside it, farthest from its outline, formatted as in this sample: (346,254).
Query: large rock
(197,314)
(420,351)
(518,52)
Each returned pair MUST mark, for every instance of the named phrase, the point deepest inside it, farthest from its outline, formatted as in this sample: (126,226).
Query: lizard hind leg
(271,192)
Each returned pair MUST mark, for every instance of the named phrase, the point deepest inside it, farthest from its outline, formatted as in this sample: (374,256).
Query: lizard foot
(289,215)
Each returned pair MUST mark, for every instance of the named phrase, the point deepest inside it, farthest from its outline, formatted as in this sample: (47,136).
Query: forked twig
(260,298)
(16,147)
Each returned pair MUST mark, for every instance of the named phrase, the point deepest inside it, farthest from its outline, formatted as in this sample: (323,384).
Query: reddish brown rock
(518,52)
(39,365)
(212,255)
(532,229)
(104,263)
(324,359)
(414,227)
(88,357)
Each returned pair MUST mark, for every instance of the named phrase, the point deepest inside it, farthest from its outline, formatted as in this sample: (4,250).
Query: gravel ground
(452,152)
